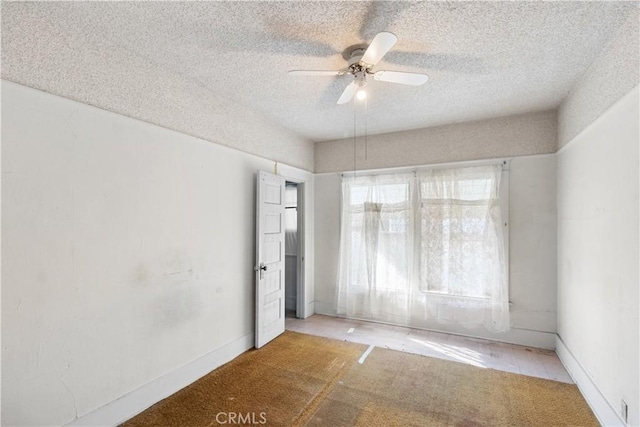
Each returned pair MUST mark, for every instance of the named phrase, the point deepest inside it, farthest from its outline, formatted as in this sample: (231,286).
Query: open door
(270,232)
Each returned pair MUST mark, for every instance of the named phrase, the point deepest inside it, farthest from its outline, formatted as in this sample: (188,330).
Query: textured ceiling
(484,59)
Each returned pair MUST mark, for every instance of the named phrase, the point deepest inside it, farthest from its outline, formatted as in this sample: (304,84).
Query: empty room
(301,213)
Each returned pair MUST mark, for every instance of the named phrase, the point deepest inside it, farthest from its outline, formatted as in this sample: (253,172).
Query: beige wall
(517,135)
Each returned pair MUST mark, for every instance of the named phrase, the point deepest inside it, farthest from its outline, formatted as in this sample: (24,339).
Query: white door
(269,257)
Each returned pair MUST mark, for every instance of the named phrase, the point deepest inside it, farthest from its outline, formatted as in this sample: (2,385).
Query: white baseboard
(131,404)
(527,338)
(325,309)
(599,405)
(309,310)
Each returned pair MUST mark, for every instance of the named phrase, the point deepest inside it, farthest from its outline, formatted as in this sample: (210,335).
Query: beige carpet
(399,389)
(301,379)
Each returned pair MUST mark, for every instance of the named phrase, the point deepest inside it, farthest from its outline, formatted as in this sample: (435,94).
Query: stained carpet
(300,379)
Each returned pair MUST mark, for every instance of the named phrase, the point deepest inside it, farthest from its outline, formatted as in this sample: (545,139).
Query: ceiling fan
(361,62)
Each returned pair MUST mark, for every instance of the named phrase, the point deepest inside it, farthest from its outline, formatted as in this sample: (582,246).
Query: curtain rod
(408,169)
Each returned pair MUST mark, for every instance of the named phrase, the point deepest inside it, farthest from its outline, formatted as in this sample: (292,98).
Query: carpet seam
(309,410)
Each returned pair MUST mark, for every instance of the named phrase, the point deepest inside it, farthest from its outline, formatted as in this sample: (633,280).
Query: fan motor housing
(356,56)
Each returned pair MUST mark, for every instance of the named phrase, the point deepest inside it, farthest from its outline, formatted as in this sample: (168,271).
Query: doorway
(294,245)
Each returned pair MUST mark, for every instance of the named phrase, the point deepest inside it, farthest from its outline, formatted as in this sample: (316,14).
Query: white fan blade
(381,44)
(413,79)
(348,93)
(315,73)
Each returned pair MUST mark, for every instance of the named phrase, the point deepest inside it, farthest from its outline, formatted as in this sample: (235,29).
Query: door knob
(262,268)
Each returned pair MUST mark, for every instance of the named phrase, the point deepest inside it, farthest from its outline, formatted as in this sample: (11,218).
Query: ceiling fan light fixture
(361,60)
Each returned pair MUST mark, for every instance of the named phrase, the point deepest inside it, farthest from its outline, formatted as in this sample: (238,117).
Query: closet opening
(294,244)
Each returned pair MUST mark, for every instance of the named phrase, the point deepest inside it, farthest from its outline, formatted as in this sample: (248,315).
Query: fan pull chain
(365,129)
(354,139)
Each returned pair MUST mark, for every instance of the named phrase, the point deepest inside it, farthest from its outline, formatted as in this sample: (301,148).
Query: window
(427,244)
(457,247)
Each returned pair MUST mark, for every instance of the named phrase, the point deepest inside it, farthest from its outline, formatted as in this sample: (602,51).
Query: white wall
(598,228)
(128,253)
(532,247)
(532,242)
(598,253)
(517,135)
(327,242)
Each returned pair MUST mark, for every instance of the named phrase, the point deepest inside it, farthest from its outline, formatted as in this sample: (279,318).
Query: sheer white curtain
(376,247)
(462,259)
(423,247)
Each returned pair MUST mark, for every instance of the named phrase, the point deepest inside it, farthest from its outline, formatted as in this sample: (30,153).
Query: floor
(533,362)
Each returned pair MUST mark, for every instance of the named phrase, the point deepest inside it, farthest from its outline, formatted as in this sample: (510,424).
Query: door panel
(271,252)
(272,223)
(269,257)
(272,281)
(273,193)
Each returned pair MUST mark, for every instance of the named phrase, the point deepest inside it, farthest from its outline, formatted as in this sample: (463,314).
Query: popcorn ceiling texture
(517,135)
(97,54)
(611,76)
(217,70)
